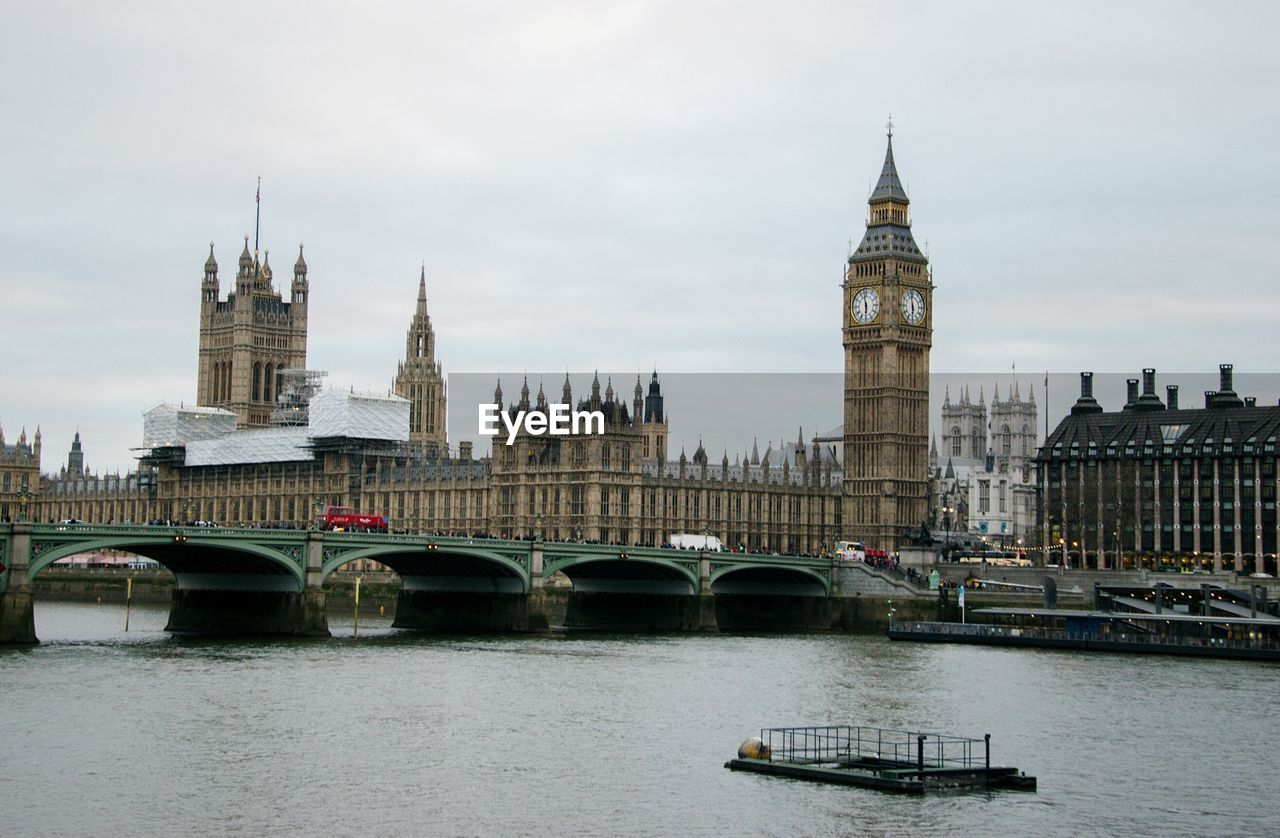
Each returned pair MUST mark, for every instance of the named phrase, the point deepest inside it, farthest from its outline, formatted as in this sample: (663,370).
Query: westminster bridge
(268,581)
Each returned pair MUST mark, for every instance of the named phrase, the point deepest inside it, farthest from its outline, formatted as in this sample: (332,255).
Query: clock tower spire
(887,334)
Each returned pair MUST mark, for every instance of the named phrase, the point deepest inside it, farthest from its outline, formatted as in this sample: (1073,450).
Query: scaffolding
(297,388)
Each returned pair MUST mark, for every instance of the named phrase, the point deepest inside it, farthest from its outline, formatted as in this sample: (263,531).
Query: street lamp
(946,526)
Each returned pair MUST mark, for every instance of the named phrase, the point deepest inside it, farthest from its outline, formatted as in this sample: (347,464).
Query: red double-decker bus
(346,519)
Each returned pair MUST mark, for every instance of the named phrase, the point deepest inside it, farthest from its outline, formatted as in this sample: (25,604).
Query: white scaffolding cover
(261,445)
(168,425)
(210,437)
(361,415)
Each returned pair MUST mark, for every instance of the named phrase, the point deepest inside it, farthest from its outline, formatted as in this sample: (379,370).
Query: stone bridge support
(706,599)
(537,618)
(17,616)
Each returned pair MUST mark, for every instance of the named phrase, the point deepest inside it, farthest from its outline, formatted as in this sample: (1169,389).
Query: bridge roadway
(269,581)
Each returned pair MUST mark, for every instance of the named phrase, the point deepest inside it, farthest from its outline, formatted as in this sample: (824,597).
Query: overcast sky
(623,186)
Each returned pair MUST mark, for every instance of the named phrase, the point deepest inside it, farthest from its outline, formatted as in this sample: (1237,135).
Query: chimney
(1250,401)
(1149,399)
(1226,396)
(1086,403)
(1133,392)
(1171,396)
(1208,398)
(464,450)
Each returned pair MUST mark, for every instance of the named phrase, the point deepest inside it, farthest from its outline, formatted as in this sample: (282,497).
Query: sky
(628,186)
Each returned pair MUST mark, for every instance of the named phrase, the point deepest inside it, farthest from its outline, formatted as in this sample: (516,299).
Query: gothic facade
(867,481)
(19,475)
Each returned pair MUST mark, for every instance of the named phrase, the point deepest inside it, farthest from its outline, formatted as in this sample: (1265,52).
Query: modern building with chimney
(1162,486)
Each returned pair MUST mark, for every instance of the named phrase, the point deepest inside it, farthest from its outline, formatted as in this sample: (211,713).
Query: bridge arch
(775,580)
(439,566)
(620,571)
(188,554)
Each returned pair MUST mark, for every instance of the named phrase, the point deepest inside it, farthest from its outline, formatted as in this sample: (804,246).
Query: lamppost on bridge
(318,506)
(947,512)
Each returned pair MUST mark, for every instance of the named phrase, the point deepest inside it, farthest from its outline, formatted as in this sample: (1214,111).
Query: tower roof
(889,186)
(211,264)
(300,266)
(422,291)
(888,233)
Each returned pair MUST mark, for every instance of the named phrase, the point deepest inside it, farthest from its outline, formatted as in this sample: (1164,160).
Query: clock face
(913,307)
(866,305)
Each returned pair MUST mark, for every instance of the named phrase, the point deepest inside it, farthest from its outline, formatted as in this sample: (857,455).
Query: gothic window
(605,456)
(626,458)
(955,442)
(267,381)
(984,497)
(1026,441)
(257,381)
(579,454)
(1005,441)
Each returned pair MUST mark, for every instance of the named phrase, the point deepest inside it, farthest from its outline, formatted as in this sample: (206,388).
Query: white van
(688,541)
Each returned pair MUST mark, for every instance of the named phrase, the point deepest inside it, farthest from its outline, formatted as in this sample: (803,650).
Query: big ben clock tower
(887,330)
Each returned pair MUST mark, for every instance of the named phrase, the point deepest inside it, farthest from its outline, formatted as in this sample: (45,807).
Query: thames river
(144,733)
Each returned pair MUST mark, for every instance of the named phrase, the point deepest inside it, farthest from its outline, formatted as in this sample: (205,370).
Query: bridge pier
(235,612)
(608,611)
(17,612)
(460,612)
(754,612)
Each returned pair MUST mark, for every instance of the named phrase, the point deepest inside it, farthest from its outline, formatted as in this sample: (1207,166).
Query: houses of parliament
(277,464)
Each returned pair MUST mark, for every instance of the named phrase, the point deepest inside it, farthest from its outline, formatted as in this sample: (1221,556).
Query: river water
(395,734)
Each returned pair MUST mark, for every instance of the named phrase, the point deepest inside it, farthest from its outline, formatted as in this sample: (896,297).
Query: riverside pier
(908,762)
